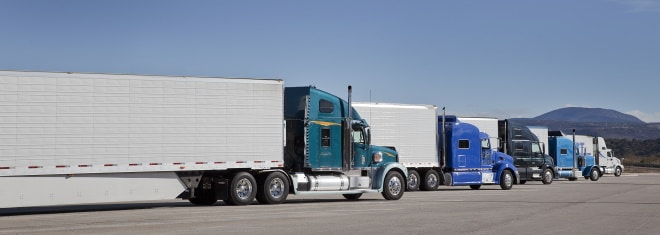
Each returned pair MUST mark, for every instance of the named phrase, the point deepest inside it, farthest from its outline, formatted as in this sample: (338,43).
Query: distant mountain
(606,123)
(577,114)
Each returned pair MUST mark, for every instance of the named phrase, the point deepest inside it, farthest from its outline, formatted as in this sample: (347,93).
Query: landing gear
(204,193)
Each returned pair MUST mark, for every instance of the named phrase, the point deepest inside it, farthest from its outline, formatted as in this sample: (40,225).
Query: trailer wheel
(618,171)
(595,174)
(506,180)
(475,186)
(547,176)
(352,197)
(393,186)
(431,181)
(242,189)
(413,181)
(273,189)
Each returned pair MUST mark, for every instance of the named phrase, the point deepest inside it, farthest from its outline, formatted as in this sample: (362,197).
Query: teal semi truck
(74,138)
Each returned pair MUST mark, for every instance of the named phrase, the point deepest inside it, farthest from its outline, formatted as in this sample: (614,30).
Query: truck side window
(519,149)
(485,144)
(517,132)
(326,106)
(563,151)
(357,136)
(536,148)
(463,144)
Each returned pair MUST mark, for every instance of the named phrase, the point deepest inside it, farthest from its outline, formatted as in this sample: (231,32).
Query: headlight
(378,157)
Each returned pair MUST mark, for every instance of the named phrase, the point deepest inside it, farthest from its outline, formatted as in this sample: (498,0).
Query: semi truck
(79,138)
(522,144)
(571,158)
(604,156)
(453,154)
(589,145)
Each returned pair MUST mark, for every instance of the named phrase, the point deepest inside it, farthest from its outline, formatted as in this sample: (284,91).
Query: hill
(607,123)
(577,114)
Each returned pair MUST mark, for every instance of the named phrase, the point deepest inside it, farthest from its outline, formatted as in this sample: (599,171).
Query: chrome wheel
(276,188)
(395,186)
(244,189)
(413,182)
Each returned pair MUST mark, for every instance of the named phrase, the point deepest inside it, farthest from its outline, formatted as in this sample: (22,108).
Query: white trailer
(413,131)
(88,138)
(487,125)
(542,133)
(69,138)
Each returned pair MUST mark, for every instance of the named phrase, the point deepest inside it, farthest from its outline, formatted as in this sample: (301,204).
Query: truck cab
(572,159)
(470,161)
(605,157)
(528,152)
(330,149)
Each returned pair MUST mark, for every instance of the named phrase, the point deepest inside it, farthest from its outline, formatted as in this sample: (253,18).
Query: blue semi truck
(572,159)
(453,154)
(469,158)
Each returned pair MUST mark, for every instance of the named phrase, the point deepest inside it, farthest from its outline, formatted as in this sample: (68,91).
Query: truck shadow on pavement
(147,205)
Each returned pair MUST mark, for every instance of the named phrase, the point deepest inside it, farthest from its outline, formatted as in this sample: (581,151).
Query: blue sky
(477,58)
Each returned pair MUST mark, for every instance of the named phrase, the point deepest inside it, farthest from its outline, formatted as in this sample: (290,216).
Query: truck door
(360,149)
(324,133)
(469,160)
(486,160)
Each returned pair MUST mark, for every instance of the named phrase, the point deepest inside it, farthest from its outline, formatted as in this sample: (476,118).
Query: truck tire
(547,176)
(595,174)
(475,186)
(506,180)
(413,181)
(273,189)
(393,186)
(352,197)
(618,171)
(242,189)
(431,181)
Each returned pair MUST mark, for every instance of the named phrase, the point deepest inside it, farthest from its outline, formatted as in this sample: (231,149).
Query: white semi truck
(71,138)
(595,146)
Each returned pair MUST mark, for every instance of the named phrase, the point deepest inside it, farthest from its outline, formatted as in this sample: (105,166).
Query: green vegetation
(643,153)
